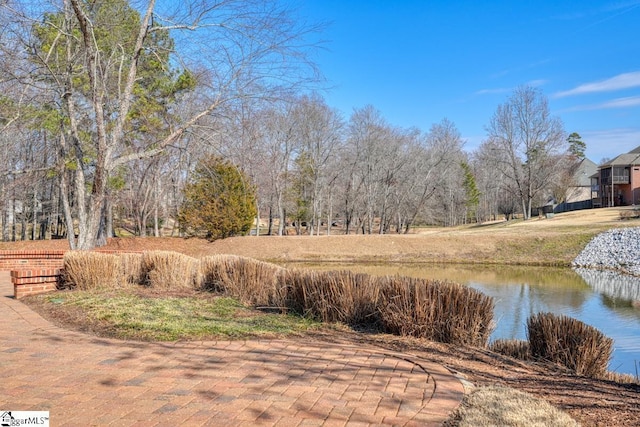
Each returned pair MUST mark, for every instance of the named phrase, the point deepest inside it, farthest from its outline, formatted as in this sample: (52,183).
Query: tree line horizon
(108,109)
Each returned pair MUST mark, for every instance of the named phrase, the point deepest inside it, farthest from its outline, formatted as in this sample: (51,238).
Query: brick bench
(34,281)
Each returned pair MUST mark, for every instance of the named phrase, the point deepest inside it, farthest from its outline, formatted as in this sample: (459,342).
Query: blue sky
(421,61)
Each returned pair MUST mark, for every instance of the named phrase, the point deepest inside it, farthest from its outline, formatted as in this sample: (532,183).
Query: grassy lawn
(145,316)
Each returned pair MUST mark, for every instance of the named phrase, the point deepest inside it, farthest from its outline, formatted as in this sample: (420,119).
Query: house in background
(576,184)
(617,182)
(578,195)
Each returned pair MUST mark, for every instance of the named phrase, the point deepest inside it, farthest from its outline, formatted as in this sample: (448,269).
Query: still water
(606,301)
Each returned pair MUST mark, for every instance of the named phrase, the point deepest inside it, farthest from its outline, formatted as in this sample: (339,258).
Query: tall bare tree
(95,56)
(530,139)
(319,132)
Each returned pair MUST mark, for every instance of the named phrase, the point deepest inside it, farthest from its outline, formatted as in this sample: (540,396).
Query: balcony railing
(621,179)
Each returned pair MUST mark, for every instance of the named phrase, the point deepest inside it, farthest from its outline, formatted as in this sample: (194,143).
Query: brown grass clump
(503,406)
(621,378)
(90,270)
(253,282)
(438,311)
(333,296)
(131,266)
(169,270)
(443,312)
(518,349)
(560,339)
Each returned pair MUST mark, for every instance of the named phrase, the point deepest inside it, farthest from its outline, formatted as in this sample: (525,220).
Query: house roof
(631,158)
(584,171)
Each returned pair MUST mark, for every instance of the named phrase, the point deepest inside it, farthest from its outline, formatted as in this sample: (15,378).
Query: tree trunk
(257,218)
(156,225)
(66,207)
(34,223)
(5,216)
(5,227)
(330,214)
(110,230)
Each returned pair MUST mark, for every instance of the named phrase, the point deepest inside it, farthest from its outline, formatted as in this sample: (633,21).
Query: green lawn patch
(132,315)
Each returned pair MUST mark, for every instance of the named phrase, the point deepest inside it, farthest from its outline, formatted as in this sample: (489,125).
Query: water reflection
(612,284)
(608,302)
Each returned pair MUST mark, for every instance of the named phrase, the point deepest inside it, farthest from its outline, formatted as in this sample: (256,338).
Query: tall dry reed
(518,349)
(91,270)
(439,311)
(169,270)
(253,282)
(561,339)
(131,266)
(333,296)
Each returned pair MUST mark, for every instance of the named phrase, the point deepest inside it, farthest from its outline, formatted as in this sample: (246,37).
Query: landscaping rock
(617,249)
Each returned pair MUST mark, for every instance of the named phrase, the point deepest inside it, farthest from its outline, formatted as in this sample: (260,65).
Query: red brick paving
(84,380)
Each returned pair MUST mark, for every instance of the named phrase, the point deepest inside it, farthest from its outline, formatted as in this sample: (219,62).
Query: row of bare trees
(105,108)
(317,170)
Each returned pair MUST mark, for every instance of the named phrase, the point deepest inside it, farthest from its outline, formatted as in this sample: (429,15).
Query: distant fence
(562,207)
(575,206)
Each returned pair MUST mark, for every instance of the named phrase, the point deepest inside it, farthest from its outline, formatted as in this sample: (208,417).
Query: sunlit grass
(131,316)
(558,249)
(502,406)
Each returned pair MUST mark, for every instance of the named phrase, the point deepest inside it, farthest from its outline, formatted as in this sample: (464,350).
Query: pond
(607,301)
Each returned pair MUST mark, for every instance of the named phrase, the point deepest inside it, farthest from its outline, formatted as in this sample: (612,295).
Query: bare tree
(445,143)
(233,49)
(531,139)
(491,182)
(367,140)
(319,132)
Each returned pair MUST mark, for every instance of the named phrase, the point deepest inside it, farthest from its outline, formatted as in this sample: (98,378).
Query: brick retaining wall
(36,281)
(35,272)
(19,260)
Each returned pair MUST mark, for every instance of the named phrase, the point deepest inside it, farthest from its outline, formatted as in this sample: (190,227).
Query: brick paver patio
(83,380)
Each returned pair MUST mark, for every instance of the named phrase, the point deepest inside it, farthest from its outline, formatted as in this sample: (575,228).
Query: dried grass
(518,349)
(169,270)
(131,266)
(503,406)
(443,312)
(333,296)
(569,342)
(438,311)
(253,282)
(91,270)
(621,378)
